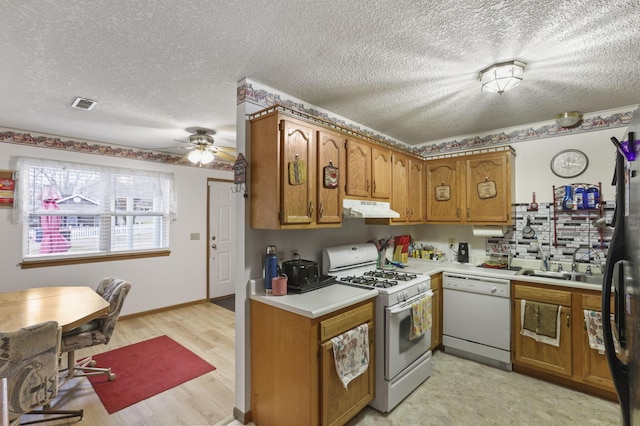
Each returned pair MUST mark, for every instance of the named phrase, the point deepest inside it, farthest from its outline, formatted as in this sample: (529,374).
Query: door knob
(213,246)
(213,238)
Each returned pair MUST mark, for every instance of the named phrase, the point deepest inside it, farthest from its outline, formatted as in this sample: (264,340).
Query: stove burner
(369,281)
(385,283)
(391,275)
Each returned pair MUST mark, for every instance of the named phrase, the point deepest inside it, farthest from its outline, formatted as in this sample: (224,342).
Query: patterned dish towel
(420,316)
(593,321)
(351,353)
(541,322)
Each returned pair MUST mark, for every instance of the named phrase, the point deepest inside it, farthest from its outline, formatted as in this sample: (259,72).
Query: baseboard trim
(166,308)
(241,416)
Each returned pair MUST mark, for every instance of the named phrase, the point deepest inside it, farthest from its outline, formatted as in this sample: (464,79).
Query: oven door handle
(407,304)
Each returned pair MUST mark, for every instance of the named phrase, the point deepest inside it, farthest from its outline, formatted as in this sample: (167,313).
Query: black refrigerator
(621,279)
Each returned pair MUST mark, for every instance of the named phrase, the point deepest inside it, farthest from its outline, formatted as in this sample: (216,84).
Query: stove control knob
(419,288)
(406,295)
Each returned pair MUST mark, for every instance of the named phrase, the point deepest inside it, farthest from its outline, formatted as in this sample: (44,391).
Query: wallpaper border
(52,142)
(262,97)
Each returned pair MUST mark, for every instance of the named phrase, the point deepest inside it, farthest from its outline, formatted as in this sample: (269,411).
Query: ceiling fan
(200,142)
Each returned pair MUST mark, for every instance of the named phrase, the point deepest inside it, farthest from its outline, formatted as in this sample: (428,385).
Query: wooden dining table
(68,306)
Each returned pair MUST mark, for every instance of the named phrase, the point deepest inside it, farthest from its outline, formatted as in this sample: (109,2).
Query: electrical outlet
(280,255)
(194,236)
(452,242)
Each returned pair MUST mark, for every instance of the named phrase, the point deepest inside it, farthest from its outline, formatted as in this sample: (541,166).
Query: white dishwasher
(477,318)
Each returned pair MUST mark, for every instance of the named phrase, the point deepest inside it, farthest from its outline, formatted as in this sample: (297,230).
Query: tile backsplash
(558,238)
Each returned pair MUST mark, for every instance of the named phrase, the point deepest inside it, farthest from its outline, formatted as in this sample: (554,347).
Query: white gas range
(402,364)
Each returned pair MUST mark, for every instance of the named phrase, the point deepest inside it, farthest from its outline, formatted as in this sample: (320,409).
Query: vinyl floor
(462,392)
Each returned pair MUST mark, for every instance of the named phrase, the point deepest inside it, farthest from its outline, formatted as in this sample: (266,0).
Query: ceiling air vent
(84,103)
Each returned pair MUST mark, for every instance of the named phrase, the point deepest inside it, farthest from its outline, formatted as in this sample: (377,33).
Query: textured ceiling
(407,69)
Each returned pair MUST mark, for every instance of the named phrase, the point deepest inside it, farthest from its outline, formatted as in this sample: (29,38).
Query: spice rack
(583,202)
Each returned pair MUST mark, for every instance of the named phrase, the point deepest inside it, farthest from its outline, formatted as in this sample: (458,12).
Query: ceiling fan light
(195,156)
(207,157)
(568,119)
(501,77)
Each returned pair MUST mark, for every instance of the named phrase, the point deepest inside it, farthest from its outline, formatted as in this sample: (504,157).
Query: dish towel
(593,321)
(420,316)
(351,353)
(541,322)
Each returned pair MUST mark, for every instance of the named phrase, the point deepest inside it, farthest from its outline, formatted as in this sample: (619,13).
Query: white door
(222,222)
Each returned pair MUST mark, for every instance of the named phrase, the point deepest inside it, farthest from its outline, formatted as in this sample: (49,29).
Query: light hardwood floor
(207,330)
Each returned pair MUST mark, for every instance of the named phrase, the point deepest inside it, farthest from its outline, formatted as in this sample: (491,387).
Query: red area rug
(145,369)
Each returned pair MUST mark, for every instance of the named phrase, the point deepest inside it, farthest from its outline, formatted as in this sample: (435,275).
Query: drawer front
(345,321)
(594,302)
(556,297)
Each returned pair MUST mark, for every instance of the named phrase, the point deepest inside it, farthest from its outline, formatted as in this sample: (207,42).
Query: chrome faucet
(574,262)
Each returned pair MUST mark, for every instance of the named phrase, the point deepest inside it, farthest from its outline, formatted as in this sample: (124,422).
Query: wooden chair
(96,332)
(29,361)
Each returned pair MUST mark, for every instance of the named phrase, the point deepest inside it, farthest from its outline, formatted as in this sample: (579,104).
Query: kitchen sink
(562,275)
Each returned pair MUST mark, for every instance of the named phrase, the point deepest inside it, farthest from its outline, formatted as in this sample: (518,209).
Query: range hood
(368,209)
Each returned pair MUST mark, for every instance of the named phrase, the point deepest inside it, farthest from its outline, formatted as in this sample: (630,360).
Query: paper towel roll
(488,231)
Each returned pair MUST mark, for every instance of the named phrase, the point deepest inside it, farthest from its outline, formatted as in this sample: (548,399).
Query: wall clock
(569,163)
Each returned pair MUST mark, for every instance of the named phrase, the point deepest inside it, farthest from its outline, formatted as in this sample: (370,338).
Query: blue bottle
(592,198)
(580,198)
(567,201)
(270,267)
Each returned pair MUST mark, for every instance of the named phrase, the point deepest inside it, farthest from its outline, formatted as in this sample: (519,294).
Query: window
(71,210)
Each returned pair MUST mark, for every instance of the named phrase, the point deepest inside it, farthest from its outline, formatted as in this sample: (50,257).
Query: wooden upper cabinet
(400,193)
(443,190)
(330,155)
(381,173)
(489,187)
(358,179)
(475,189)
(288,157)
(298,160)
(416,191)
(368,170)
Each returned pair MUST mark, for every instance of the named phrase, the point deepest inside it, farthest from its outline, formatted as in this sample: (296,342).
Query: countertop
(315,303)
(430,268)
(332,298)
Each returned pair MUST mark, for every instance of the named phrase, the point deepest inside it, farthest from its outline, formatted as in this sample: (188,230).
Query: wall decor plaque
(487,189)
(443,193)
(330,176)
(297,172)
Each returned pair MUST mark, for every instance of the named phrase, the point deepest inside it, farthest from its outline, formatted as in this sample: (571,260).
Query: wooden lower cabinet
(293,375)
(554,359)
(573,362)
(436,311)
(593,367)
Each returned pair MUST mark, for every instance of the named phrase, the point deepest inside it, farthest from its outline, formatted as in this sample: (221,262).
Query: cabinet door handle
(321,209)
(568,320)
(310,209)
(458,212)
(468,212)
(367,185)
(374,186)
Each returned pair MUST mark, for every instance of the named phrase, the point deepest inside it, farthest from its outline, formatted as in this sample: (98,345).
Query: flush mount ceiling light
(502,77)
(568,119)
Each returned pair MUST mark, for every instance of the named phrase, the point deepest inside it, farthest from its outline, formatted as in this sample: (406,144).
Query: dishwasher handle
(476,278)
